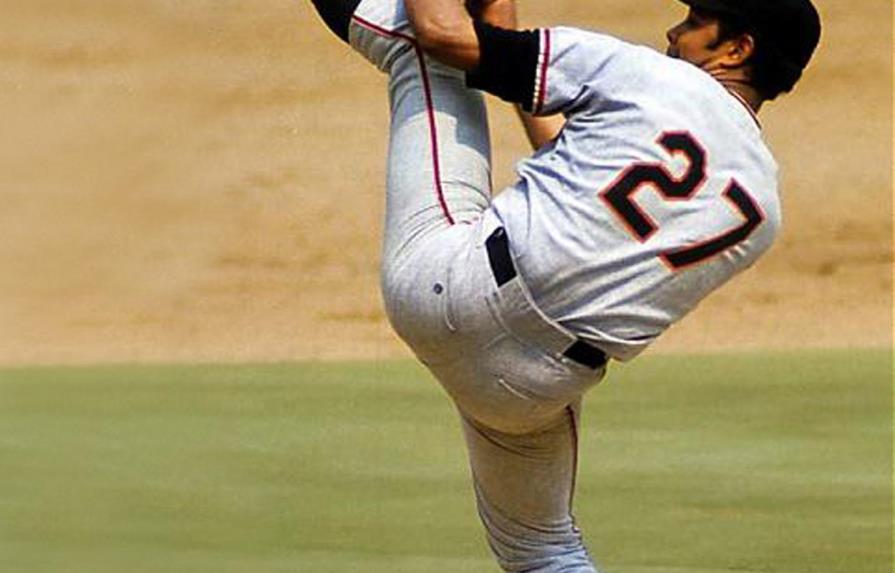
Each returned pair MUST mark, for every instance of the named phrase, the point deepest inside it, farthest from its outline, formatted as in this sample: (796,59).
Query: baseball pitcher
(650,187)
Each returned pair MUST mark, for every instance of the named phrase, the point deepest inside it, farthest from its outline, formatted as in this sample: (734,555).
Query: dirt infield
(203,181)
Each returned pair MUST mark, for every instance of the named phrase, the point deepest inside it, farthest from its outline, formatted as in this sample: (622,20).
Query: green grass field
(775,462)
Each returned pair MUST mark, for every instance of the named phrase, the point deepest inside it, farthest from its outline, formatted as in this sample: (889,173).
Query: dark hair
(769,72)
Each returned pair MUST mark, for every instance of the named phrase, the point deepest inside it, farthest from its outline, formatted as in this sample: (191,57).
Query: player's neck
(745,92)
(736,82)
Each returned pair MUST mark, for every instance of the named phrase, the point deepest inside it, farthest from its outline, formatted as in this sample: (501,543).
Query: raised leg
(439,163)
(439,160)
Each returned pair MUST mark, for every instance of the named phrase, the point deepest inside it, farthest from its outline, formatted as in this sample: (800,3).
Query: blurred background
(203,180)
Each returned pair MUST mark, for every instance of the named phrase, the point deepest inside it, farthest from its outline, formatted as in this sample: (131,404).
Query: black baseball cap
(791,28)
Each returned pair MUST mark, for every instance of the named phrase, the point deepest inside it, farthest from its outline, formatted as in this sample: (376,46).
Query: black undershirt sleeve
(507,64)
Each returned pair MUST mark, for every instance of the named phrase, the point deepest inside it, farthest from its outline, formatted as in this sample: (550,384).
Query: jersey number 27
(620,197)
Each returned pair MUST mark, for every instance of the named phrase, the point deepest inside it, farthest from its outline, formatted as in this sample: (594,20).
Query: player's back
(658,190)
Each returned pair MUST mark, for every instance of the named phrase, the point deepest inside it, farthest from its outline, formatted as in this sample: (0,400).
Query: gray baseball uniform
(658,190)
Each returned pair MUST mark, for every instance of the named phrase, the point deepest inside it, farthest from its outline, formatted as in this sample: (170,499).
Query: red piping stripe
(430,107)
(544,64)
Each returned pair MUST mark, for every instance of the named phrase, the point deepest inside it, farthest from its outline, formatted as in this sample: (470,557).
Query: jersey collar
(746,105)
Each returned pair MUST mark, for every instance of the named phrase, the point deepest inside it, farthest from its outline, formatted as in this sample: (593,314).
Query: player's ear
(739,49)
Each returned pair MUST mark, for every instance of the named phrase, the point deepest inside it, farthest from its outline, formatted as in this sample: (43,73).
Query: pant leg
(439,161)
(524,486)
(438,182)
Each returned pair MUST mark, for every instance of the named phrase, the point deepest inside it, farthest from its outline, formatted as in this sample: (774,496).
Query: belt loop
(499,256)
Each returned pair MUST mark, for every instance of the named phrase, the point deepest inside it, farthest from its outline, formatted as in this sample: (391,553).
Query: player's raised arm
(502,13)
(445,30)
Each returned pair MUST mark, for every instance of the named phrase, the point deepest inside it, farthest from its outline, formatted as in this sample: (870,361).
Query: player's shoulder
(667,91)
(609,55)
(566,38)
(588,39)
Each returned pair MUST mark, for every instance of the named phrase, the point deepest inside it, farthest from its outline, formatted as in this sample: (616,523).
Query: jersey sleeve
(547,70)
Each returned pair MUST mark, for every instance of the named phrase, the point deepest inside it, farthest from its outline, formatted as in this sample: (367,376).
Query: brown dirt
(203,181)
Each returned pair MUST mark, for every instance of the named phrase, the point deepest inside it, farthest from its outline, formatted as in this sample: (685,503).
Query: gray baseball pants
(494,352)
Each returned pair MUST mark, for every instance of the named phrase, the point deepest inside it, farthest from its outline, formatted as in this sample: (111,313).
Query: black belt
(504,271)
